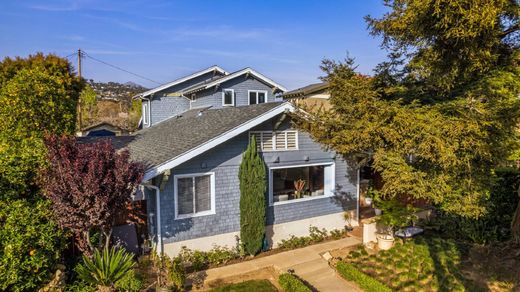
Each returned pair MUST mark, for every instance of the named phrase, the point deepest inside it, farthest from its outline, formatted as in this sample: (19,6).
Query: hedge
(291,283)
(364,281)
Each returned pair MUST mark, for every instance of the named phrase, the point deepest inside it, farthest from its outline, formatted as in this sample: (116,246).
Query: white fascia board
(180,80)
(153,172)
(242,72)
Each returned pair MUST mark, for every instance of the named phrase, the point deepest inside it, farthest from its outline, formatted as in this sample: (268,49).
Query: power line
(117,67)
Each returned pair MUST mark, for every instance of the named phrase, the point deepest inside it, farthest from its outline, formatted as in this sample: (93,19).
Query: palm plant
(105,267)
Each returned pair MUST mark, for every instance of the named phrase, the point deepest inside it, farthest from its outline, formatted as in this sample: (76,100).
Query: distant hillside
(114,104)
(115,90)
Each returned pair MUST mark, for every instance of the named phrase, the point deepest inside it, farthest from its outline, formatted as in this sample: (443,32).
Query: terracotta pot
(385,241)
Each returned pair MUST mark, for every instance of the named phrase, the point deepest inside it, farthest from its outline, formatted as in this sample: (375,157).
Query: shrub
(315,235)
(200,260)
(252,199)
(105,268)
(130,282)
(291,283)
(176,273)
(30,245)
(364,281)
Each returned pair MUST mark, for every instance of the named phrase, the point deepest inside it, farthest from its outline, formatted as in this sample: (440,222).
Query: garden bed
(247,286)
(422,264)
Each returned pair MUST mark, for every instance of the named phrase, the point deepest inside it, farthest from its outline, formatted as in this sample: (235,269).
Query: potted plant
(395,215)
(348,221)
(298,186)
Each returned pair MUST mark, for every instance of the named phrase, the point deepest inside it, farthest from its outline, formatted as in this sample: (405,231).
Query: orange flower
(32,252)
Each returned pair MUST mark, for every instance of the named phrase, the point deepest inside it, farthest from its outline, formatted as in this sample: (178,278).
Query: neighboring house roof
(180,80)
(309,89)
(102,127)
(183,137)
(222,79)
(119,142)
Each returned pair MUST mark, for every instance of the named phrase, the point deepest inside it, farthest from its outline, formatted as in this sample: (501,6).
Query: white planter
(385,241)
(368,201)
(378,211)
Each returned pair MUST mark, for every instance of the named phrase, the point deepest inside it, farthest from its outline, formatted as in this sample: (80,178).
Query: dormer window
(228,97)
(257,96)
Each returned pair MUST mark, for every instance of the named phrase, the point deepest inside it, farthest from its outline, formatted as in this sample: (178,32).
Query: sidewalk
(306,262)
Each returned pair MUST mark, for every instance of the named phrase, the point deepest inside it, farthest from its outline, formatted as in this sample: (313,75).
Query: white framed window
(145,113)
(194,195)
(288,184)
(276,141)
(257,96)
(228,97)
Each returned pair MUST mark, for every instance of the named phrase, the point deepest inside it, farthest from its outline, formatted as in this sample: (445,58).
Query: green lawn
(248,286)
(422,264)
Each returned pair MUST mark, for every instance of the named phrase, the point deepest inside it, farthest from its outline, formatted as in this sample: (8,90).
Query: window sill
(299,200)
(201,214)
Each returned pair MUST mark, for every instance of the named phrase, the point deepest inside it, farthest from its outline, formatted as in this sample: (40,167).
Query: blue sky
(164,40)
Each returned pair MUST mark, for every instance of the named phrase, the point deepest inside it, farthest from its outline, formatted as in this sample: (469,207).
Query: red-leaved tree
(88,185)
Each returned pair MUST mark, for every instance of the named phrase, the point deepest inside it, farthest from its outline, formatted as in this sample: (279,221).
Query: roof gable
(181,80)
(175,141)
(231,76)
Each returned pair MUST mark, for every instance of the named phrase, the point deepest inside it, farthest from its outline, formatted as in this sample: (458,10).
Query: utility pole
(79,99)
(79,64)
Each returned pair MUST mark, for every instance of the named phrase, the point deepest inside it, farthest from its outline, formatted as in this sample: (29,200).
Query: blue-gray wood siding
(224,161)
(166,103)
(241,85)
(164,107)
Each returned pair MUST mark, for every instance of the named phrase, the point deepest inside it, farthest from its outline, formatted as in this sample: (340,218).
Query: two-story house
(195,130)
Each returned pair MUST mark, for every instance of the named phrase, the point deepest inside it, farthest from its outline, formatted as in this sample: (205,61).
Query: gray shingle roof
(177,135)
(305,90)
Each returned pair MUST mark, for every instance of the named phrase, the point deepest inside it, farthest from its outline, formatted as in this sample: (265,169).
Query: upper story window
(145,113)
(257,96)
(276,141)
(228,97)
(194,195)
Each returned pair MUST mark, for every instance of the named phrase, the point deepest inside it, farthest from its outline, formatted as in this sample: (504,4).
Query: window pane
(252,97)
(203,193)
(228,97)
(185,195)
(261,97)
(298,182)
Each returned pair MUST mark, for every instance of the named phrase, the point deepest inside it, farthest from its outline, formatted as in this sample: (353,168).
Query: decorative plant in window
(298,186)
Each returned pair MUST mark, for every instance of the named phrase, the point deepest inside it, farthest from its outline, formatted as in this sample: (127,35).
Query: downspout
(357,194)
(150,111)
(158,215)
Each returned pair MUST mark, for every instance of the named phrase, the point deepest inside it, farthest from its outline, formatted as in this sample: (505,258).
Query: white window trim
(145,113)
(327,192)
(232,95)
(212,195)
(257,91)
(274,141)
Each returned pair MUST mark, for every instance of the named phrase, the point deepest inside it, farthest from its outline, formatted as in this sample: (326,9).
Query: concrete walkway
(306,262)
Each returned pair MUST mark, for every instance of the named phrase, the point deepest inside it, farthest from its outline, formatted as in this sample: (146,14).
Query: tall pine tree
(252,199)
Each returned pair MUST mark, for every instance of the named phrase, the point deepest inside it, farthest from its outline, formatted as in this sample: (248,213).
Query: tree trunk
(515,224)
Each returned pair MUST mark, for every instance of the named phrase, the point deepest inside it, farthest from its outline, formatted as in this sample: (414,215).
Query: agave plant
(105,267)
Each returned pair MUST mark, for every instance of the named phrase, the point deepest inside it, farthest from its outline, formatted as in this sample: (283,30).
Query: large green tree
(38,94)
(440,114)
(252,199)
